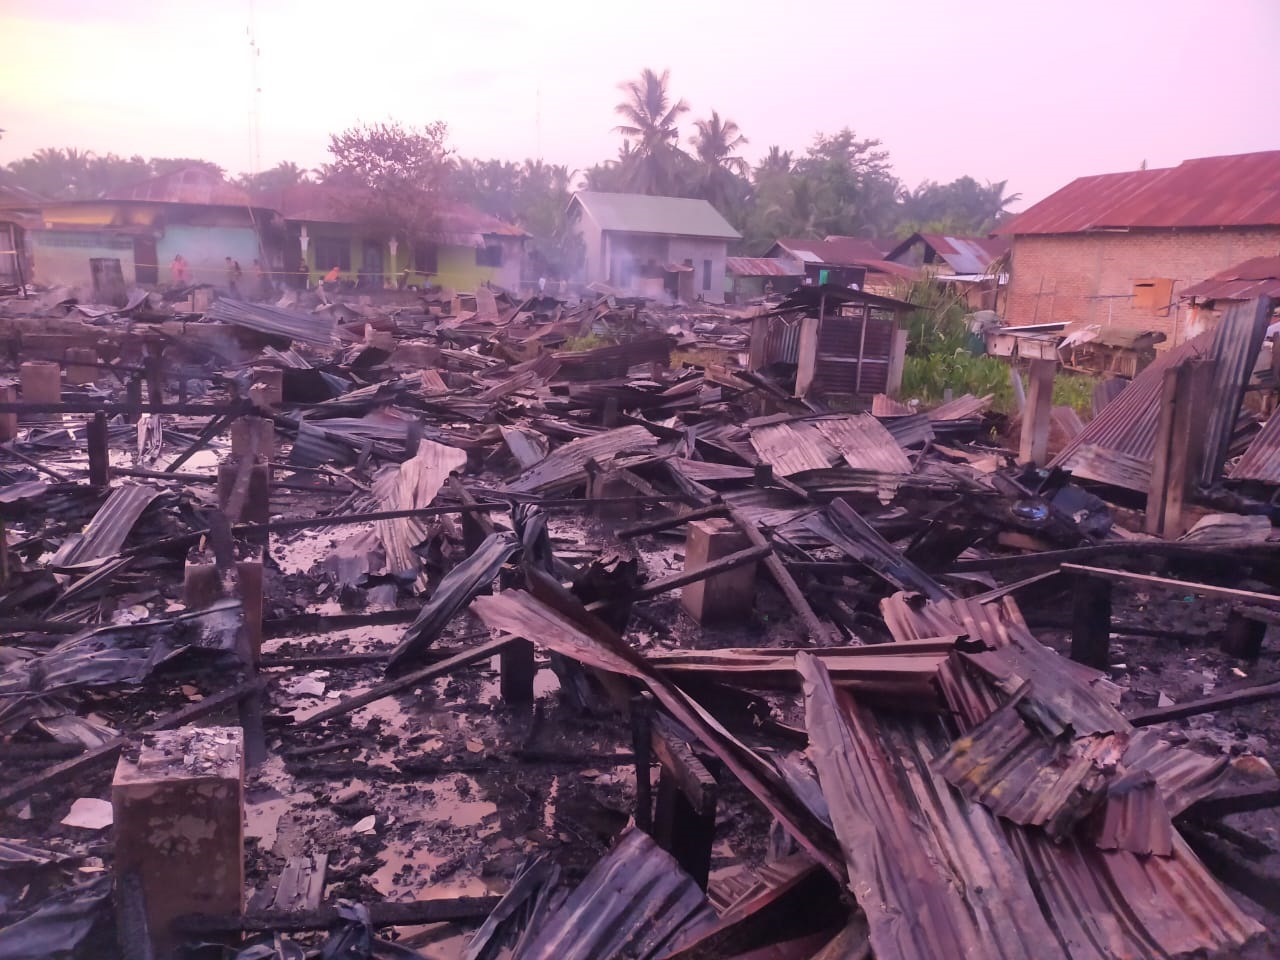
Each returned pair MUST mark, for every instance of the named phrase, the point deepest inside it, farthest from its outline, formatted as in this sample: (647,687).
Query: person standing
(234,273)
(178,271)
(331,279)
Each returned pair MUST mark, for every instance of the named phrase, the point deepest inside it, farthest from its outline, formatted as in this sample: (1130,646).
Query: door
(108,281)
(145,267)
(371,269)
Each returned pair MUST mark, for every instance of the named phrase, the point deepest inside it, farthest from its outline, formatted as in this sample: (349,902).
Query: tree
(721,177)
(776,161)
(398,174)
(534,195)
(650,124)
(270,182)
(963,207)
(852,187)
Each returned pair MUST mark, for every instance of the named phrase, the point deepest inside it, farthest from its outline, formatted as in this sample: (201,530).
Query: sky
(1035,92)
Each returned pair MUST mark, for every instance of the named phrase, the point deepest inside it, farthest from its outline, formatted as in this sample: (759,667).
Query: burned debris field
(423,624)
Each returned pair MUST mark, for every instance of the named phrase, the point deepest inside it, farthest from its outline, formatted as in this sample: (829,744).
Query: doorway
(146,269)
(371,265)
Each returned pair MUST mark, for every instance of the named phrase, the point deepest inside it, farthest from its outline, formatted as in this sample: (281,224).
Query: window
(426,257)
(706,274)
(1152,294)
(331,252)
(489,256)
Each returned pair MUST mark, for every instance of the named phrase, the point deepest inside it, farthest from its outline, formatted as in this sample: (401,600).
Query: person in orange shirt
(178,271)
(331,279)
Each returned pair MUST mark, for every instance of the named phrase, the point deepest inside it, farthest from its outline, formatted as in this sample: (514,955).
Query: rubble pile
(523,627)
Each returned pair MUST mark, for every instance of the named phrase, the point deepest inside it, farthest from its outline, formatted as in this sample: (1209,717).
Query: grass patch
(589,342)
(1075,390)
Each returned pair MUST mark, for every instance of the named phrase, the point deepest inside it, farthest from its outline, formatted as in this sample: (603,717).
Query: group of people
(180,277)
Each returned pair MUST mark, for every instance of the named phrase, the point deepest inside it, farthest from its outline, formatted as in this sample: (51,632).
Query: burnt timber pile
(497,627)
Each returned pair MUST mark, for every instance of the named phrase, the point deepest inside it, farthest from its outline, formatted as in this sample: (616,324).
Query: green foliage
(926,378)
(588,342)
(1075,390)
(73,174)
(533,195)
(400,173)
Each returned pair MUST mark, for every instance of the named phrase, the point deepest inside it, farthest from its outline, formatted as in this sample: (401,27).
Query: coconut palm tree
(721,174)
(776,161)
(650,124)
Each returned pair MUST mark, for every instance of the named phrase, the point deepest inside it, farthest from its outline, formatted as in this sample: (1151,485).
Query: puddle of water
(262,820)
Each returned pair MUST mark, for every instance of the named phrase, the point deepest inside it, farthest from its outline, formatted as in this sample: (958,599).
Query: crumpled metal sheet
(792,448)
(940,877)
(454,592)
(565,467)
(110,526)
(58,925)
(412,485)
(313,328)
(635,904)
(124,653)
(930,870)
(844,529)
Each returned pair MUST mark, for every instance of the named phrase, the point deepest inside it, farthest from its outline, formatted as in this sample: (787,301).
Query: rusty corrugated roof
(964,255)
(193,185)
(1241,190)
(763,267)
(1259,277)
(1262,460)
(1127,425)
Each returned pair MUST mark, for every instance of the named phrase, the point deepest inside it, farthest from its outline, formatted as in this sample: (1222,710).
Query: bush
(926,378)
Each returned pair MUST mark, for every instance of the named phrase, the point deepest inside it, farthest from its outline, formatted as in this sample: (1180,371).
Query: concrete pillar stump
(179,825)
(725,596)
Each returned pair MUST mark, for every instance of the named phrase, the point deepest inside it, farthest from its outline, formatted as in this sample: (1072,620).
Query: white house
(653,246)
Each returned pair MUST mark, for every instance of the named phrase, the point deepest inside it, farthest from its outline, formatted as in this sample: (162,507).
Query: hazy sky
(1032,91)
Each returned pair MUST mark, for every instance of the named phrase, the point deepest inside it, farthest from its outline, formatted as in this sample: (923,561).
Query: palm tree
(649,120)
(722,172)
(776,161)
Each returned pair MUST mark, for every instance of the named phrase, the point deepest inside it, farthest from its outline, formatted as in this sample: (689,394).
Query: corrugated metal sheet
(1262,460)
(636,903)
(24,490)
(964,255)
(793,448)
(939,877)
(763,267)
(412,485)
(1236,342)
(911,847)
(1128,423)
(565,467)
(864,443)
(638,213)
(961,408)
(313,328)
(190,185)
(841,526)
(1020,774)
(1259,277)
(1233,191)
(106,532)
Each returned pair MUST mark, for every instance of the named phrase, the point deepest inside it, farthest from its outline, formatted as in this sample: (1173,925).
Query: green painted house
(465,249)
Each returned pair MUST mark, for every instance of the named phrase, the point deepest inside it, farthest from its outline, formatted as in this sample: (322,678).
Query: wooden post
(642,746)
(8,421)
(99,453)
(1243,637)
(609,415)
(1178,452)
(517,672)
(1091,621)
(757,357)
(133,397)
(1035,420)
(897,363)
(685,819)
(762,474)
(249,585)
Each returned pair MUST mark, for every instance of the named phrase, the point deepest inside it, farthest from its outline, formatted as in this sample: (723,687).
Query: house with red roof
(1122,249)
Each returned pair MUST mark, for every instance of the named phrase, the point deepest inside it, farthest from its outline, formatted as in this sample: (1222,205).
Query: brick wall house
(1118,249)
